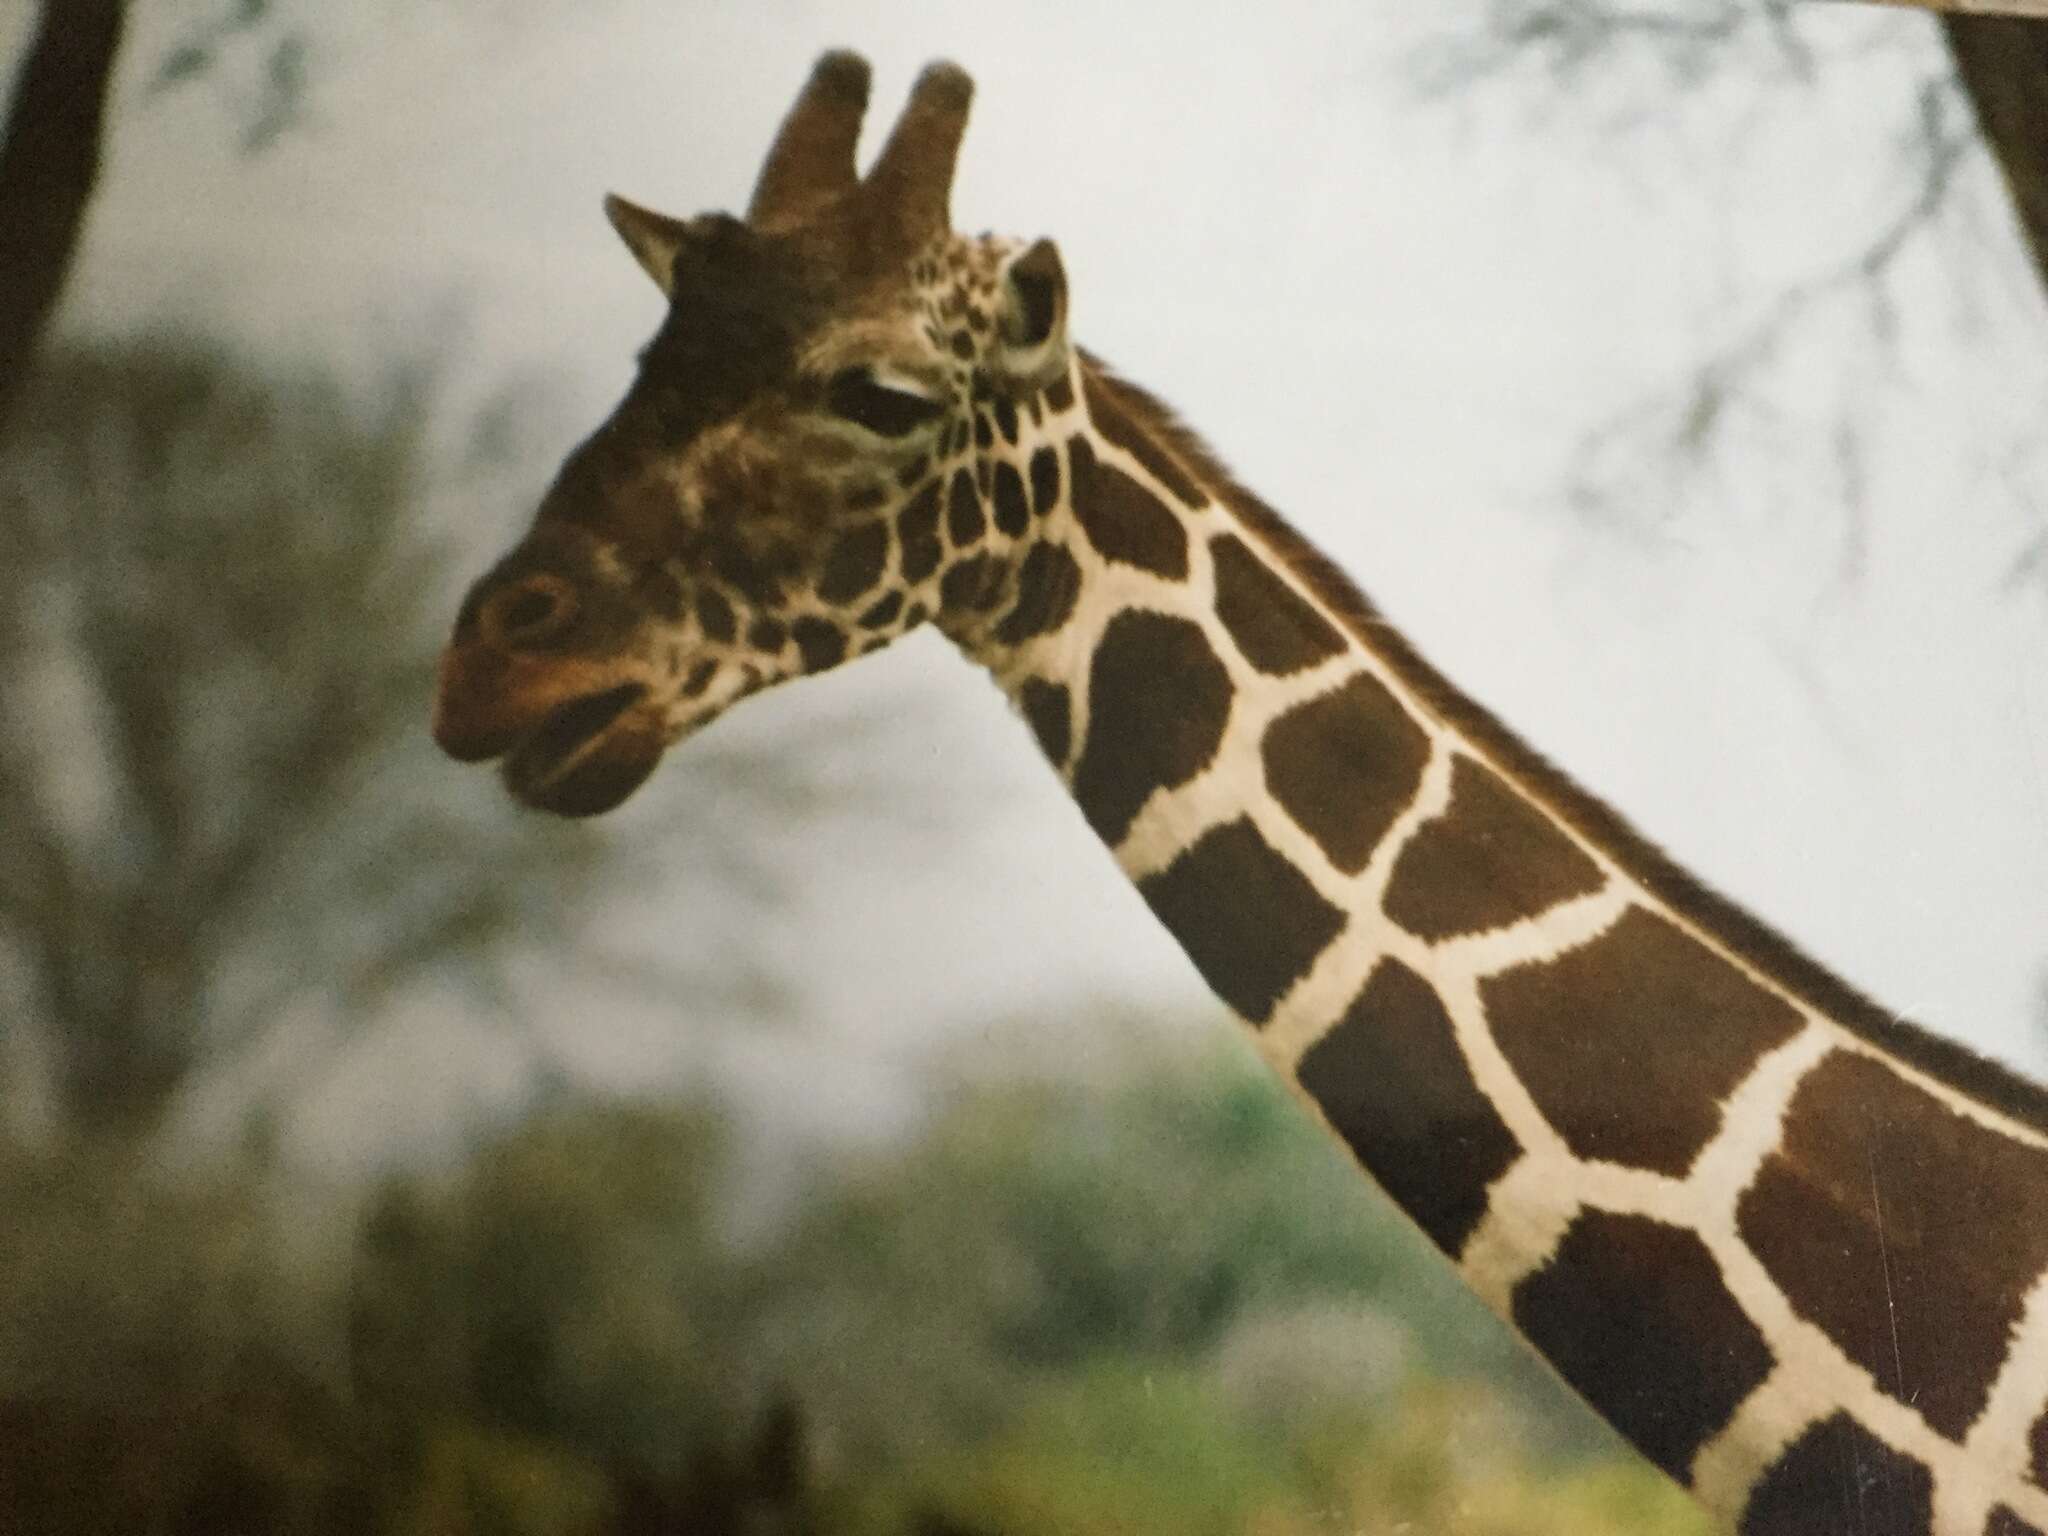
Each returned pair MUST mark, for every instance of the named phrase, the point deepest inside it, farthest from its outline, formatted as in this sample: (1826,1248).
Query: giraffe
(1793,1249)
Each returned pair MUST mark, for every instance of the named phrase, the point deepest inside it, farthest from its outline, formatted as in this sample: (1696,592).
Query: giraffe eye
(855,395)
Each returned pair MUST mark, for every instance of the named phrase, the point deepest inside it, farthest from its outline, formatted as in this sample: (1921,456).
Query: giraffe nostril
(528,610)
(529,613)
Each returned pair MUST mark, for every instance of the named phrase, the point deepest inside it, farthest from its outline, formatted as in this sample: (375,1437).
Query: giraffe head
(836,376)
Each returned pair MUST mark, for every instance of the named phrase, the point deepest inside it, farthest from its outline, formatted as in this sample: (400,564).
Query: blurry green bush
(1160,1302)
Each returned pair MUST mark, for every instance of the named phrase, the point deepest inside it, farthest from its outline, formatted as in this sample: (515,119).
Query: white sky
(1394,319)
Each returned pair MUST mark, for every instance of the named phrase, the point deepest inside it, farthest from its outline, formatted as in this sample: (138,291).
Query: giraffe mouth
(586,755)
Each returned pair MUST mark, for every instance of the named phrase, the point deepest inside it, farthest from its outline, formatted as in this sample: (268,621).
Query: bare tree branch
(49,165)
(1681,425)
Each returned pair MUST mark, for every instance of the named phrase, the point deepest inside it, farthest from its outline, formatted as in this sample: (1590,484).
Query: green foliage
(1040,1227)
(1110,1448)
(1115,1451)
(1159,1303)
(566,1286)
(123,1281)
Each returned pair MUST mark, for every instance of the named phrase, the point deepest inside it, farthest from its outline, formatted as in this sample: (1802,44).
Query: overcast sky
(1394,317)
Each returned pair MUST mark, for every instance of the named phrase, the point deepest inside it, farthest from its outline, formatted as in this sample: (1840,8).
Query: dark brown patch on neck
(1048,582)
(1274,629)
(821,642)
(1158,700)
(1909,1233)
(1049,711)
(1123,520)
(1107,409)
(1634,1314)
(1045,480)
(1343,765)
(1629,1043)
(2004,1522)
(1012,511)
(1838,1479)
(1492,858)
(917,530)
(1251,921)
(1433,1141)
(964,520)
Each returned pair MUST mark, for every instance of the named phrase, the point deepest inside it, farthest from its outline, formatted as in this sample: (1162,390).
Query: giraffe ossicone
(1795,1251)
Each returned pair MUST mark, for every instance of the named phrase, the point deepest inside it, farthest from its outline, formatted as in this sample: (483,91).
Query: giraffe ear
(1031,319)
(653,238)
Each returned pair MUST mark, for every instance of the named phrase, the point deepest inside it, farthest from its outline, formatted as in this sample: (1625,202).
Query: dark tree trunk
(49,161)
(2003,63)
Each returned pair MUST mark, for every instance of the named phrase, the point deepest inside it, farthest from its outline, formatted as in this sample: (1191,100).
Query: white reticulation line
(1319,999)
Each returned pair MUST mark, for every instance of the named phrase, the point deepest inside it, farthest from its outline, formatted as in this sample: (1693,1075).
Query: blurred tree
(219,615)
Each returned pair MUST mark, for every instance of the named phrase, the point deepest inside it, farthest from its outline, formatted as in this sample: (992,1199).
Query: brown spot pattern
(2004,1522)
(1274,627)
(1012,511)
(964,520)
(1906,1232)
(1048,582)
(968,583)
(1394,1084)
(1249,920)
(1634,1315)
(1343,765)
(855,563)
(2037,1449)
(1049,711)
(1838,1479)
(1117,424)
(882,611)
(1629,1042)
(1123,519)
(821,642)
(1045,480)
(1490,859)
(918,528)
(1158,700)
(715,616)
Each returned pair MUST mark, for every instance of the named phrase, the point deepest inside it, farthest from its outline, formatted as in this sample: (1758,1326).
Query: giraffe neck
(1794,1251)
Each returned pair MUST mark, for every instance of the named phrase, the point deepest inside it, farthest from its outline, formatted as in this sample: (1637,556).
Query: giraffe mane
(1748,936)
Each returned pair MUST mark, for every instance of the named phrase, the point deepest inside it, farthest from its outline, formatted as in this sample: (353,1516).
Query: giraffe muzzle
(587,755)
